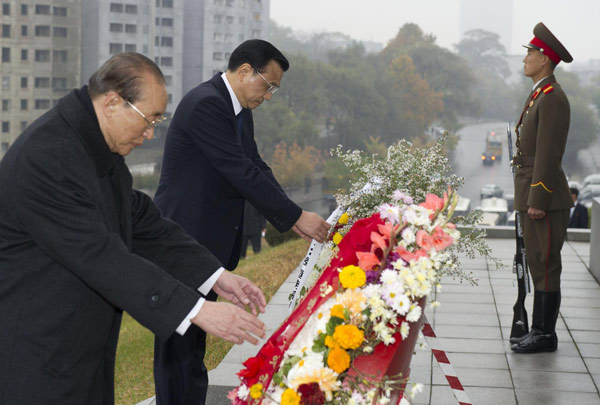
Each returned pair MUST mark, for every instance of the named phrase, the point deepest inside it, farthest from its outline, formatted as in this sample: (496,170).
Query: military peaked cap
(545,42)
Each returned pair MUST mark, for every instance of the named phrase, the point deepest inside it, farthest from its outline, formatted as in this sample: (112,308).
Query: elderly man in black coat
(78,246)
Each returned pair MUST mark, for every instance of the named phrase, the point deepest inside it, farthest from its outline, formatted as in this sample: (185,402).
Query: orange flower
(433,203)
(338,310)
(378,242)
(410,256)
(386,229)
(424,240)
(367,260)
(338,360)
(331,343)
(440,239)
(348,336)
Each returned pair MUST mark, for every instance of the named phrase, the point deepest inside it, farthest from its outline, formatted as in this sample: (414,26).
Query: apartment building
(39,60)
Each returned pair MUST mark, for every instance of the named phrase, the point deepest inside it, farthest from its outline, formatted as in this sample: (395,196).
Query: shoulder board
(548,89)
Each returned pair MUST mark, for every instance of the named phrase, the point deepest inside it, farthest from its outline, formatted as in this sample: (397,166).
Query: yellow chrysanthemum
(344,219)
(352,277)
(256,390)
(337,310)
(348,336)
(338,360)
(331,343)
(289,397)
(337,238)
(354,300)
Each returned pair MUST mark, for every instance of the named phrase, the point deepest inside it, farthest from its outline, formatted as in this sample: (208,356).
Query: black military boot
(542,336)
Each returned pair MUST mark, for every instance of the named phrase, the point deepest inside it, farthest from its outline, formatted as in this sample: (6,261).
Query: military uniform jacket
(77,247)
(542,135)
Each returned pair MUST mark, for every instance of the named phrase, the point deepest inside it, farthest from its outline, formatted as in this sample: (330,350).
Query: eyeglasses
(271,89)
(151,124)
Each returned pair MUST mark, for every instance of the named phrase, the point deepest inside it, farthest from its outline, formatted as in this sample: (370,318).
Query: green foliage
(275,238)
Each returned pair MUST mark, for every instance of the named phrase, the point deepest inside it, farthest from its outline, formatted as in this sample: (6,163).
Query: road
(467,162)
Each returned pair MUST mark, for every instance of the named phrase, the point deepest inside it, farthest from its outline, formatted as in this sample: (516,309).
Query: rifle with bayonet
(520,325)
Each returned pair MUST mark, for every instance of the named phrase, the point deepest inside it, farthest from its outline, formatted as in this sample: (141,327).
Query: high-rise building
(151,27)
(213,29)
(493,16)
(39,60)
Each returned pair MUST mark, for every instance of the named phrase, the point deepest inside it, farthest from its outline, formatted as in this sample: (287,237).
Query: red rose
(311,394)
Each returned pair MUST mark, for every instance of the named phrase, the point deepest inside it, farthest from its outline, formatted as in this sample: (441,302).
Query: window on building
(166,41)
(42,30)
(257,16)
(5,82)
(217,55)
(145,49)
(229,3)
(227,55)
(5,54)
(24,54)
(156,41)
(60,32)
(5,9)
(115,48)
(130,48)
(59,56)
(23,125)
(24,104)
(131,9)
(167,22)
(24,82)
(5,127)
(42,82)
(131,28)
(157,3)
(24,9)
(169,98)
(5,105)
(218,2)
(255,33)
(60,11)
(116,7)
(59,83)
(157,21)
(217,37)
(5,30)
(168,80)
(4,147)
(217,19)
(116,27)
(24,30)
(42,9)
(42,55)
(167,3)
(230,19)
(166,61)
(42,103)
(228,38)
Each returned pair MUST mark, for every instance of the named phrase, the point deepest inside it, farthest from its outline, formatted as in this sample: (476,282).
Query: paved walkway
(473,325)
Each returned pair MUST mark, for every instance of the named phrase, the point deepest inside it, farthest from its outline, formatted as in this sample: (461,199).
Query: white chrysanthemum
(414,314)
(389,212)
(410,216)
(388,277)
(311,362)
(404,330)
(243,392)
(371,290)
(409,235)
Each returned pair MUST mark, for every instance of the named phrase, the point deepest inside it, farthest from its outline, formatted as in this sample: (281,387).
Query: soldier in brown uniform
(542,193)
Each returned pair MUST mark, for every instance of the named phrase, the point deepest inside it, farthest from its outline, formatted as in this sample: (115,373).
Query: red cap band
(546,50)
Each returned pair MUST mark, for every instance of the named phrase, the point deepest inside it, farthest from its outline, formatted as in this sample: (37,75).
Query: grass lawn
(133,375)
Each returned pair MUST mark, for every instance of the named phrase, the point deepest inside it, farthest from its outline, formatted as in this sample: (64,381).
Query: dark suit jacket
(579,219)
(77,247)
(254,222)
(210,167)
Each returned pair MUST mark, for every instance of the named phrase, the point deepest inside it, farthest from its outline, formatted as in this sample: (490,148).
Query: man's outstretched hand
(240,291)
(229,322)
(311,226)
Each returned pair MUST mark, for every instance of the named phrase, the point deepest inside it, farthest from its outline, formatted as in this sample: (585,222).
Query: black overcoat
(77,247)
(210,166)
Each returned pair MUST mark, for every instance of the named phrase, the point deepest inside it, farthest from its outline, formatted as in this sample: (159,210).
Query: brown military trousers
(544,239)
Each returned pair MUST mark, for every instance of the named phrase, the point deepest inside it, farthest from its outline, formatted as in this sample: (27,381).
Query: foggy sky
(574,22)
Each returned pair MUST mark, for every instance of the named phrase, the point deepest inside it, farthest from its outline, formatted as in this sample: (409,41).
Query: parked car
(490,190)
(591,179)
(588,193)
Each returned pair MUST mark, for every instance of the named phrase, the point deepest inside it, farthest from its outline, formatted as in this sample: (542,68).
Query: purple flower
(372,277)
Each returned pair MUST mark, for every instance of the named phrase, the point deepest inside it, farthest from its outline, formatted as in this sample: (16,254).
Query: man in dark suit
(211,166)
(78,246)
(254,228)
(579,214)
(541,190)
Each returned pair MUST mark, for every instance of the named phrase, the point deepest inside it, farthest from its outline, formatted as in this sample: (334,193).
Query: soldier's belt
(524,161)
